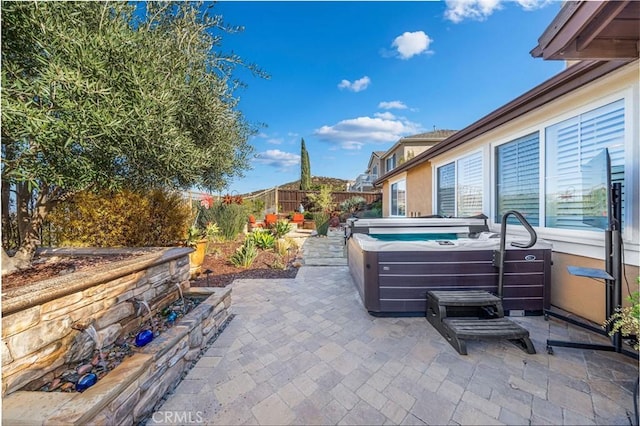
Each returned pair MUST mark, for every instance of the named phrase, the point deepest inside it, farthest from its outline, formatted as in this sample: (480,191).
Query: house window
(391,163)
(399,198)
(518,178)
(374,172)
(570,145)
(446,190)
(469,185)
(460,185)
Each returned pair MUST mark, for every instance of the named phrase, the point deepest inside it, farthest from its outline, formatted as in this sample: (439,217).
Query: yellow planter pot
(196,258)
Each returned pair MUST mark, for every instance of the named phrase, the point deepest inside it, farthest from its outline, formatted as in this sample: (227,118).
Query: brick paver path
(304,351)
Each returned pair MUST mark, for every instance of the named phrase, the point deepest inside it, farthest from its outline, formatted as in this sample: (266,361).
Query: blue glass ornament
(86,382)
(144,337)
(172,317)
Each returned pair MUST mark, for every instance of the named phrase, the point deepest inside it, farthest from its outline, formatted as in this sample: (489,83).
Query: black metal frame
(613,283)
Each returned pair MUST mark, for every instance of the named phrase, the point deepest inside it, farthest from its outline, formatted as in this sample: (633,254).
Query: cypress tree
(305,168)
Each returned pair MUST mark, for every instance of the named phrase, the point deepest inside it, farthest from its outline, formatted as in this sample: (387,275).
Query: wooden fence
(289,200)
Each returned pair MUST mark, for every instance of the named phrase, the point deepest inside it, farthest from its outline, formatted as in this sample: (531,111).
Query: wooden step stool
(473,315)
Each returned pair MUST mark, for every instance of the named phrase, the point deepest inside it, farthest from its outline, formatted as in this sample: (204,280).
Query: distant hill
(316,182)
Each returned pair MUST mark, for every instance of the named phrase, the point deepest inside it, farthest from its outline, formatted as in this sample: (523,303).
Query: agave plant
(280,228)
(245,254)
(262,238)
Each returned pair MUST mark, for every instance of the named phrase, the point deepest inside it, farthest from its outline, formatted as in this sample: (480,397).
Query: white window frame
(392,159)
(585,242)
(402,178)
(493,199)
(483,158)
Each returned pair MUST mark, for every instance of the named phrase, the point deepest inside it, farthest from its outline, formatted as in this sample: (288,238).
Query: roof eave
(568,80)
(575,33)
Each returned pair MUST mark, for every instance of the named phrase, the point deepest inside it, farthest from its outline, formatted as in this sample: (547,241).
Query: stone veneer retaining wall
(37,339)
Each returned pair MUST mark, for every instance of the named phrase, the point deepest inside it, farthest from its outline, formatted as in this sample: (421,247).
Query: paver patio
(304,351)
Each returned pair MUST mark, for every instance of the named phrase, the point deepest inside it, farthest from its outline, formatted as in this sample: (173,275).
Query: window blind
(517,178)
(446,202)
(569,147)
(469,185)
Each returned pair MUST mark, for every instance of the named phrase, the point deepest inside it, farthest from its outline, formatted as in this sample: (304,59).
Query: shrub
(245,254)
(626,320)
(278,263)
(280,228)
(195,234)
(322,222)
(284,246)
(281,246)
(263,239)
(211,231)
(371,213)
(230,218)
(352,204)
(254,206)
(323,200)
(120,219)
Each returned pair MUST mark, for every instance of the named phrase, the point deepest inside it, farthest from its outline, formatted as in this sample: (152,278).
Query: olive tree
(114,95)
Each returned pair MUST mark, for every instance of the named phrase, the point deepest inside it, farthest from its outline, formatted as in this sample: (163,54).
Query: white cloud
(392,105)
(385,115)
(275,141)
(409,44)
(459,10)
(357,86)
(278,159)
(352,145)
(356,132)
(533,4)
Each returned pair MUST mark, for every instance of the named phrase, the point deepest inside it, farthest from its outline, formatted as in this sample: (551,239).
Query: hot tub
(393,275)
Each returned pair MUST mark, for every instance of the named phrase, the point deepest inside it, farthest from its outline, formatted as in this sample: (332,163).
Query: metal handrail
(503,235)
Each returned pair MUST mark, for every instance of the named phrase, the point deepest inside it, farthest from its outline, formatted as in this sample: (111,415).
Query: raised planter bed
(38,339)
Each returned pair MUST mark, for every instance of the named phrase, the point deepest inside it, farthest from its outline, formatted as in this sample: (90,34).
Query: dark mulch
(49,267)
(222,272)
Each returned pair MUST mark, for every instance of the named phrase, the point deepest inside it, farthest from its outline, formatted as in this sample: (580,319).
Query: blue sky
(354,77)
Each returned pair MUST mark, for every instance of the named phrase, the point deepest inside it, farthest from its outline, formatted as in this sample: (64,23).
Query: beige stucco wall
(386,202)
(419,190)
(415,148)
(582,296)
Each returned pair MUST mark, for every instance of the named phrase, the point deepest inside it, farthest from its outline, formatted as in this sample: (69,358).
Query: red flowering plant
(232,199)
(206,201)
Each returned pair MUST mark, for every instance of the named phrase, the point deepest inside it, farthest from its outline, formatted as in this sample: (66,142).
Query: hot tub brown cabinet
(396,282)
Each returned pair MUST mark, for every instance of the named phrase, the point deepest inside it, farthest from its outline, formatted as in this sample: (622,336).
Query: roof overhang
(559,85)
(597,30)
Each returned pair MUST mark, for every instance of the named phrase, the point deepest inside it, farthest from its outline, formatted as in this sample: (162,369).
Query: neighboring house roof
(566,81)
(428,137)
(374,155)
(592,30)
(436,134)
